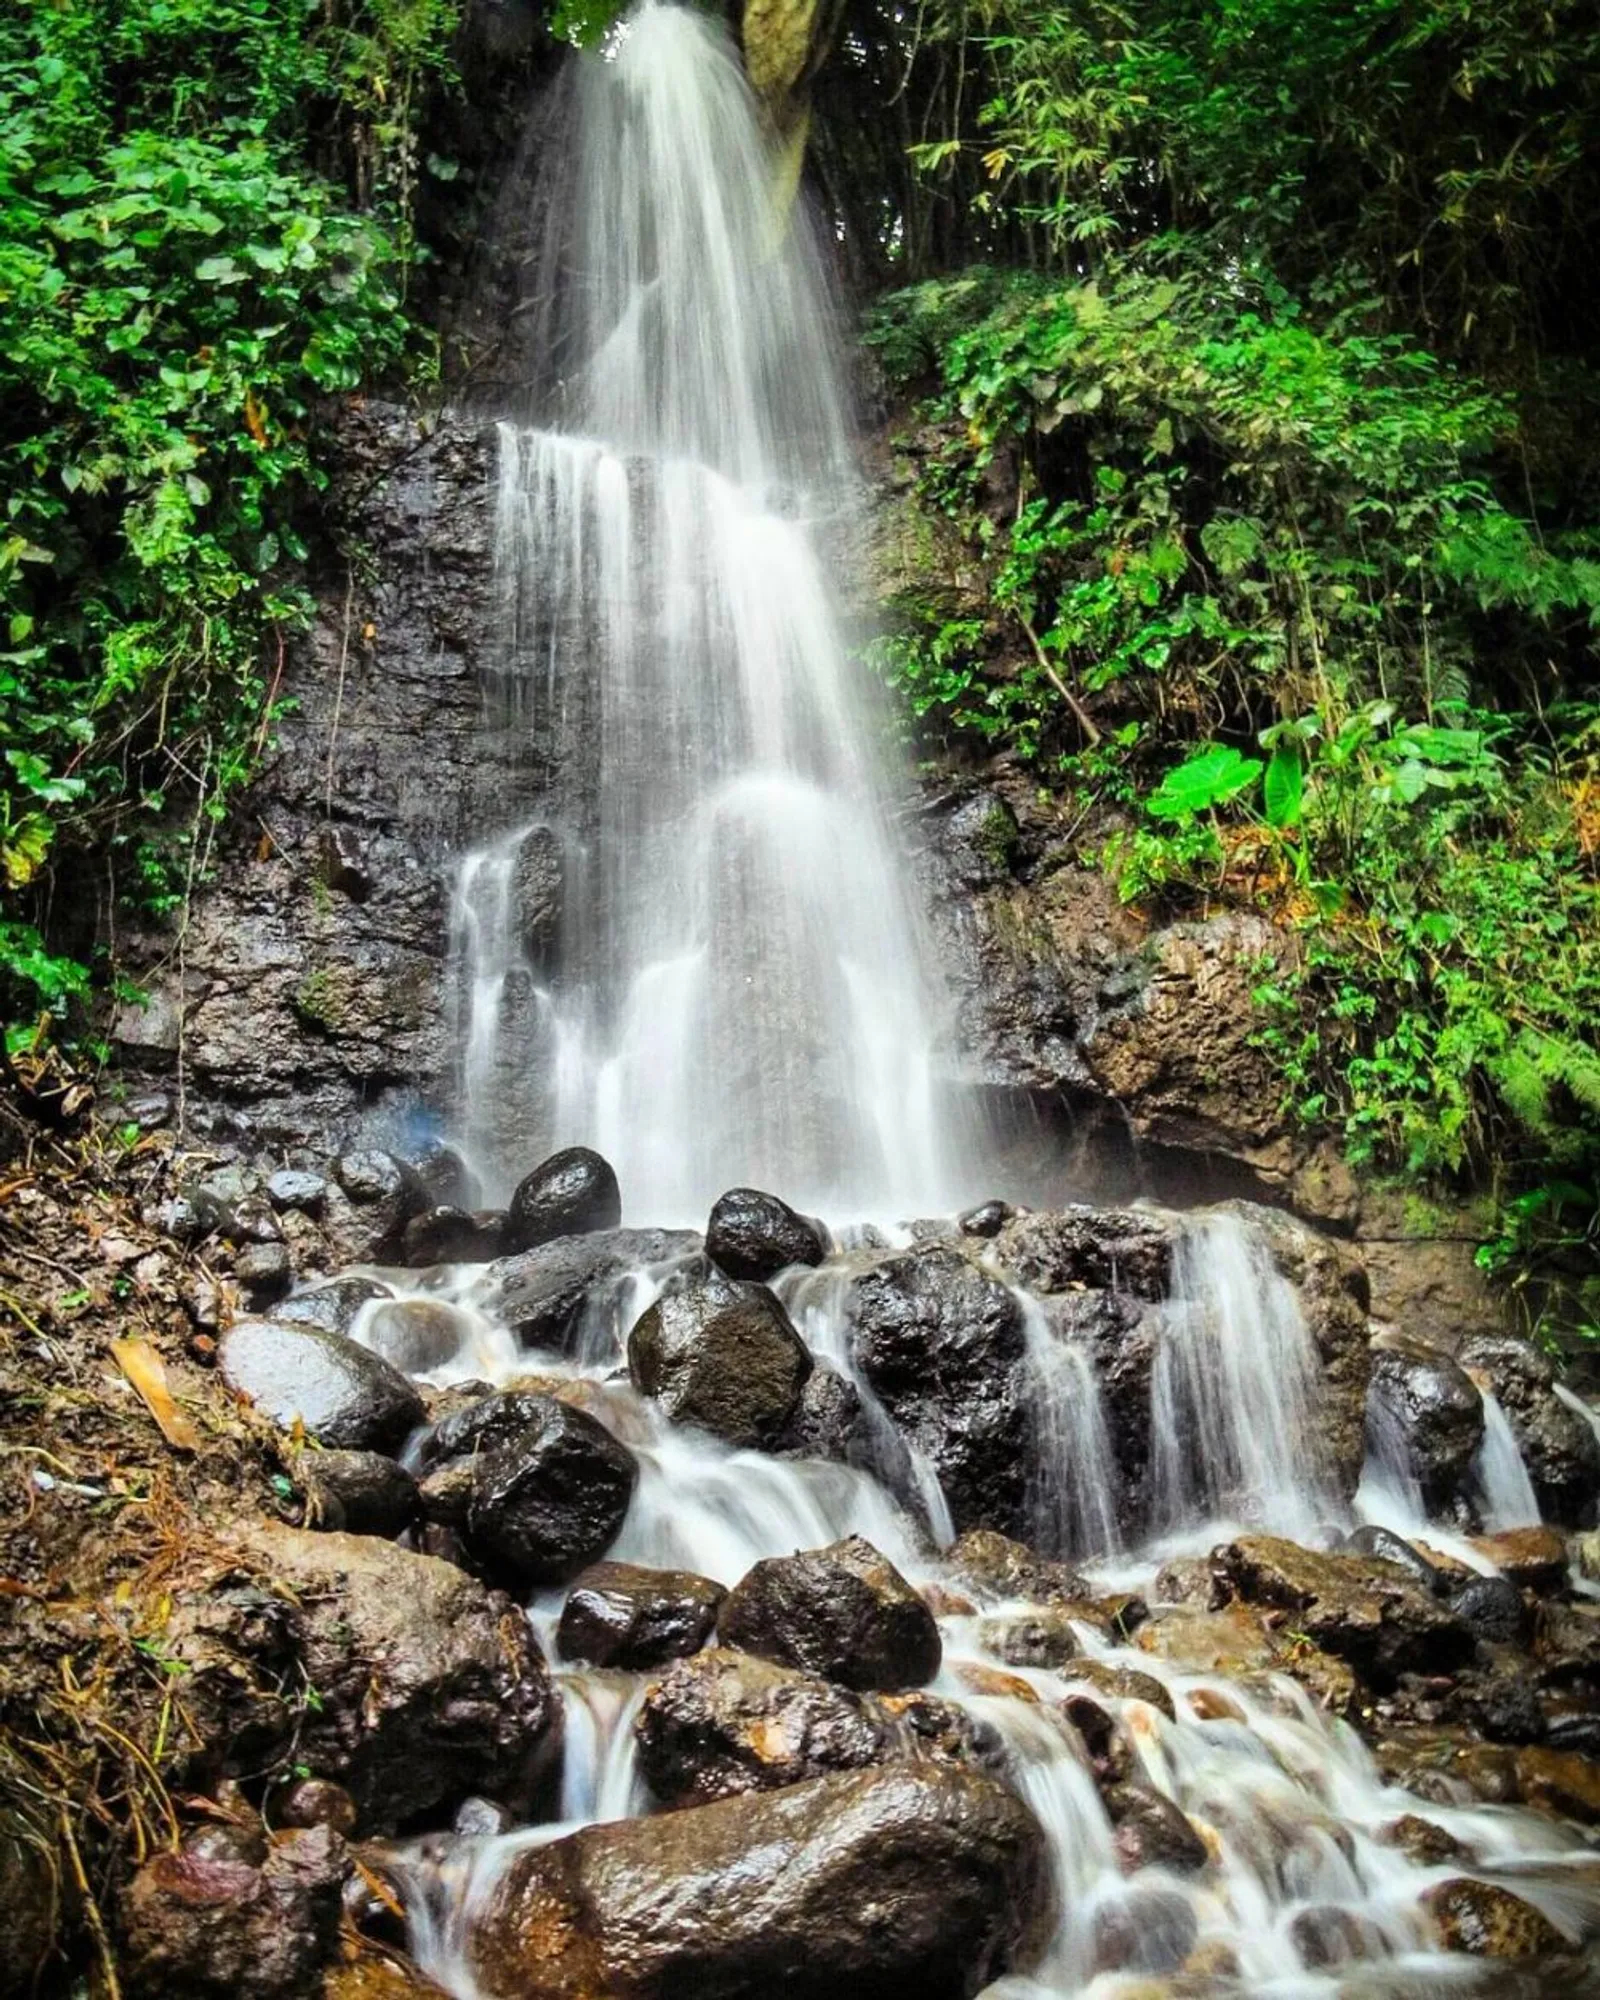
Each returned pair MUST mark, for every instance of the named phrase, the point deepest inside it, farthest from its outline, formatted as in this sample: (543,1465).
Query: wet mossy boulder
(619,1615)
(573,1193)
(723,1356)
(755,1235)
(901,1880)
(843,1611)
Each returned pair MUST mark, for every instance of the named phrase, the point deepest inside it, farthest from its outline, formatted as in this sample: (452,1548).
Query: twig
(91,1908)
(1085,720)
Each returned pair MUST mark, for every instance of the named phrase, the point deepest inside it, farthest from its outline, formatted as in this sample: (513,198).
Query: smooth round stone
(341,1394)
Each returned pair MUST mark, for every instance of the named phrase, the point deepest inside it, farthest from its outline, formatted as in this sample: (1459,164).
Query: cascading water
(1235,1390)
(737,988)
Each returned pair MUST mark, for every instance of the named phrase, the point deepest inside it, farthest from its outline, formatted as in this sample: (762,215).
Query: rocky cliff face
(306,996)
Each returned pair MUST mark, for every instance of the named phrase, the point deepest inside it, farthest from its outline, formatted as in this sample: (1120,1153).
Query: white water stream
(740,991)
(1287,1799)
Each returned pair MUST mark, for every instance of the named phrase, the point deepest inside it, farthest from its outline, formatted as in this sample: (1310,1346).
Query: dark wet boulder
(942,1345)
(453,1236)
(1111,1249)
(415,1335)
(1390,1547)
(332,1306)
(552,1498)
(723,1356)
(1488,1921)
(1559,1448)
(308,1802)
(1423,1842)
(618,1615)
(828,1421)
(198,1926)
(1492,1608)
(1150,1831)
(986,1220)
(547,1294)
(573,1193)
(1419,1396)
(1000,1568)
(879,1884)
(363,1492)
(726,1722)
(1363,1610)
(343,1395)
(430,1687)
(843,1611)
(755,1235)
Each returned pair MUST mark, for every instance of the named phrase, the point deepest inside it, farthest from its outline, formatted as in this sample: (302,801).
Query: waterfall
(1234,1396)
(734,987)
(1500,1483)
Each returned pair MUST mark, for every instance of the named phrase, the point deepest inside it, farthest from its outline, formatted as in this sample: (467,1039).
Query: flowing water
(703,960)
(1302,1889)
(737,988)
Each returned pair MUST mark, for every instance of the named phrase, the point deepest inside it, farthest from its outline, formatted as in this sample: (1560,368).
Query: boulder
(844,1612)
(372,1198)
(264,1273)
(1070,1249)
(362,1491)
(1359,1608)
(1488,1921)
(725,1722)
(942,1345)
(723,1356)
(618,1615)
(548,1501)
(198,1926)
(1535,1558)
(828,1421)
(332,1306)
(879,1884)
(999,1567)
(542,1294)
(1491,1607)
(429,1686)
(1042,1638)
(570,1194)
(416,1335)
(296,1189)
(1429,1402)
(343,1395)
(1385,1543)
(1559,1449)
(452,1236)
(755,1235)
(1149,1831)
(1124,1684)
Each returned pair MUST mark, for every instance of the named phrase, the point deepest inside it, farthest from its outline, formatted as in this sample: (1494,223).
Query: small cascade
(816,1301)
(1072,1501)
(1501,1489)
(737,988)
(1234,1398)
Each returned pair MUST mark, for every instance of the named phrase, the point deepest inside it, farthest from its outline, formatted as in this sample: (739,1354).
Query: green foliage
(204,236)
(1266,549)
